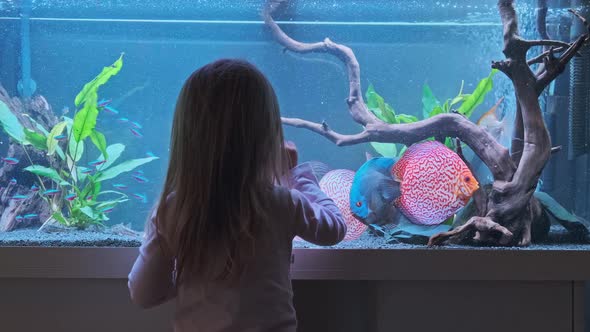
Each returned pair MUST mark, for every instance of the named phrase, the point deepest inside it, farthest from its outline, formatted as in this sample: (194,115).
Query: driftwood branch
(511,210)
(493,154)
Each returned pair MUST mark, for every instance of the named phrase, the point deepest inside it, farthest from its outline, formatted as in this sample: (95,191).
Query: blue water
(400,46)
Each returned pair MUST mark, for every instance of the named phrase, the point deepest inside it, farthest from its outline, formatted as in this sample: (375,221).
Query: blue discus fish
(373,192)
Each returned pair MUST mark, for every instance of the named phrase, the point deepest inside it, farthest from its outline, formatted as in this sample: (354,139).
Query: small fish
(13,181)
(34,188)
(373,192)
(136,125)
(60,137)
(89,198)
(19,197)
(150,154)
(71,197)
(84,170)
(19,218)
(140,178)
(140,197)
(122,120)
(107,210)
(139,172)
(65,110)
(120,186)
(51,192)
(10,160)
(336,184)
(30,216)
(96,162)
(136,133)
(104,102)
(434,183)
(110,110)
(490,122)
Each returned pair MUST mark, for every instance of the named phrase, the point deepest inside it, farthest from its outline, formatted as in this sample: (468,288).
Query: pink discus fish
(336,184)
(434,183)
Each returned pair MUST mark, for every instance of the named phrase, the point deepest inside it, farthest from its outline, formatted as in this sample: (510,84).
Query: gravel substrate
(559,241)
(71,238)
(82,238)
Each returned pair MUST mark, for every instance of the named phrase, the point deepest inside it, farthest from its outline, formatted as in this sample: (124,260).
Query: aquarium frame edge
(323,264)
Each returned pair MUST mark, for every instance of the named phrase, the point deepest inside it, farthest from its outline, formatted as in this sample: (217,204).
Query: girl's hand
(291,152)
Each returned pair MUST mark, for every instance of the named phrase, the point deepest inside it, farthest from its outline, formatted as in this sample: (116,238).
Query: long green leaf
(100,142)
(76,149)
(405,118)
(51,141)
(85,121)
(39,141)
(388,150)
(429,101)
(435,111)
(46,172)
(10,124)
(375,102)
(90,90)
(114,151)
(123,167)
(473,100)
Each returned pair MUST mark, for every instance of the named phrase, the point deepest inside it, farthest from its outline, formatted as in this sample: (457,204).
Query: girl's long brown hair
(226,153)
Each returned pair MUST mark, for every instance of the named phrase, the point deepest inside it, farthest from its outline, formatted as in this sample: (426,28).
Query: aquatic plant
(467,103)
(508,212)
(74,192)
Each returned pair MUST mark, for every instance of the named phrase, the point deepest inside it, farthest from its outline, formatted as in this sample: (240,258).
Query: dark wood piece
(510,208)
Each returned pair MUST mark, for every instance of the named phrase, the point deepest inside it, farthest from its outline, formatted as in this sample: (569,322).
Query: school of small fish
(138,176)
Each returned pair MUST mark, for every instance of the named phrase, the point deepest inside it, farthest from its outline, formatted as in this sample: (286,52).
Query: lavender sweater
(263,299)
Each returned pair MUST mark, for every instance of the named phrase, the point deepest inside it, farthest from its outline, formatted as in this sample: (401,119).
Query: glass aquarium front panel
(88,90)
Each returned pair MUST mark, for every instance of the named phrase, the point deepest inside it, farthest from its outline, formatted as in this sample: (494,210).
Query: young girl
(220,238)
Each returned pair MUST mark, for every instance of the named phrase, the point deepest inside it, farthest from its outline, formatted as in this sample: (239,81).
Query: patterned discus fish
(336,184)
(434,183)
(373,192)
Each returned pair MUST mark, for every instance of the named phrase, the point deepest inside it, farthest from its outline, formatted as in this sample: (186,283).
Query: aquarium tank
(436,123)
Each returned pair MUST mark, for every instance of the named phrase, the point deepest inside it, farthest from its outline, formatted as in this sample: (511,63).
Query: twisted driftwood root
(39,110)
(509,212)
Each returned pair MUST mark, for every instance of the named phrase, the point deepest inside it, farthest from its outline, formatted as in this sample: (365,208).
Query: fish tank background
(411,54)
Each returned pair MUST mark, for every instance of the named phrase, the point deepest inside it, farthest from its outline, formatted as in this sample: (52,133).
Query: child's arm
(151,280)
(317,219)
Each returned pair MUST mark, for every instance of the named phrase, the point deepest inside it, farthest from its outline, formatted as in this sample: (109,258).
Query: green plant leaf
(388,150)
(46,172)
(100,142)
(76,149)
(114,151)
(551,205)
(123,167)
(10,124)
(449,143)
(52,143)
(87,210)
(435,111)
(90,90)
(405,118)
(85,121)
(429,101)
(473,100)
(377,105)
(60,218)
(39,141)
(402,150)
